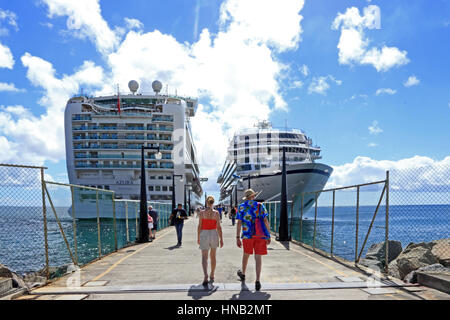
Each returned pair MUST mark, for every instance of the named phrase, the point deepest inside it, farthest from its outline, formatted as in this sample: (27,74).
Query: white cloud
(133,23)
(413,174)
(235,71)
(85,20)
(372,144)
(264,21)
(304,70)
(353,45)
(6,57)
(385,91)
(412,81)
(41,138)
(320,84)
(47,24)
(10,18)
(9,87)
(374,128)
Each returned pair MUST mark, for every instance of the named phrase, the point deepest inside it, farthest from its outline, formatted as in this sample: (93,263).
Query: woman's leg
(205,264)
(213,262)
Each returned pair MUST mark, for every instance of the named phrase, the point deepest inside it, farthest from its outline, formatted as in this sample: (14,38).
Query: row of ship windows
(269,151)
(122,127)
(116,146)
(272,135)
(150,165)
(165,156)
(84,117)
(120,137)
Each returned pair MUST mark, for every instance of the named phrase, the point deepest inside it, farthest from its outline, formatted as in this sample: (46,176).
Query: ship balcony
(162,119)
(81,118)
(134,137)
(122,166)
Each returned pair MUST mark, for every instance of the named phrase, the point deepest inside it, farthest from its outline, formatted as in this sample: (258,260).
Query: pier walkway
(160,270)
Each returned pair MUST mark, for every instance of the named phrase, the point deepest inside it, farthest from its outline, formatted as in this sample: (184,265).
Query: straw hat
(249,192)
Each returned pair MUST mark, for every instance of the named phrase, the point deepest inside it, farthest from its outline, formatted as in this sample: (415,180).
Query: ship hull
(301,178)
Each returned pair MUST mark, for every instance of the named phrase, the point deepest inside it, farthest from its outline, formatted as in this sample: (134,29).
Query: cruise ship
(254,160)
(104,135)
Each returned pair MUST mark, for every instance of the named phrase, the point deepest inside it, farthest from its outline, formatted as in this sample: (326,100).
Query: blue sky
(282,60)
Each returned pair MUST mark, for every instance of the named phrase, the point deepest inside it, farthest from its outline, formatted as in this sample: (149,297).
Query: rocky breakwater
(424,256)
(34,279)
(17,281)
(404,264)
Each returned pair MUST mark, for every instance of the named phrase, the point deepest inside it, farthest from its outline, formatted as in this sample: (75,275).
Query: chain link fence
(48,229)
(410,209)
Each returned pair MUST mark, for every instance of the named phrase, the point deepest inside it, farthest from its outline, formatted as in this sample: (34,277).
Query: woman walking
(209,234)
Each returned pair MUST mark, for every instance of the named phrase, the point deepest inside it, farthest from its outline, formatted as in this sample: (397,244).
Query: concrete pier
(160,270)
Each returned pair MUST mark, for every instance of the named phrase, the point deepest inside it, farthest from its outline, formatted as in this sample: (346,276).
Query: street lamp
(283,229)
(187,186)
(143,221)
(173,188)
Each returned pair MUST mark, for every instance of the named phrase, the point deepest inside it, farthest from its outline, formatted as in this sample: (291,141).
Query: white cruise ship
(256,154)
(103,148)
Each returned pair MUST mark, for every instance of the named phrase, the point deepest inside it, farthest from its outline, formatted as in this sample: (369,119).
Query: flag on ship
(118,99)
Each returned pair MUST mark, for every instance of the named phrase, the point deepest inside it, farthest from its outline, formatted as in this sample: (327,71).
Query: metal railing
(46,226)
(316,194)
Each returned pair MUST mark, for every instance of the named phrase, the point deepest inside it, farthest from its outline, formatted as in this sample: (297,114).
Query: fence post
(301,218)
(99,244)
(126,221)
(332,222)
(387,223)
(136,215)
(74,225)
(292,218)
(315,222)
(114,221)
(357,223)
(44,212)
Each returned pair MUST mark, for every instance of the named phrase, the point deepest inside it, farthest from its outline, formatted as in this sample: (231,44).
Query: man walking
(233,215)
(178,216)
(252,218)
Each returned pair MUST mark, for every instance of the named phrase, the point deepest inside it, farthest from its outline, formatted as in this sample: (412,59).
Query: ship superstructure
(104,136)
(255,159)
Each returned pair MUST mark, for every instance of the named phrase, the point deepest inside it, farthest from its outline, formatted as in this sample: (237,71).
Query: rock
(412,276)
(377,251)
(5,272)
(441,250)
(372,264)
(415,256)
(393,270)
(17,281)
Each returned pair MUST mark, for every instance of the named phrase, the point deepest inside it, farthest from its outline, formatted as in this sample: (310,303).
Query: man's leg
(258,262)
(181,233)
(244,262)
(177,227)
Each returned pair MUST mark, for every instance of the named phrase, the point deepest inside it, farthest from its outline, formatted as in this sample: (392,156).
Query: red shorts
(257,245)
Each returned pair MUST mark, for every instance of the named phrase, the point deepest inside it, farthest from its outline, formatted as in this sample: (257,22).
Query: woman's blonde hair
(210,200)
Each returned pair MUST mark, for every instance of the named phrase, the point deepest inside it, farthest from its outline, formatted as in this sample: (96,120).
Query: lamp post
(143,224)
(187,186)
(189,199)
(173,188)
(283,229)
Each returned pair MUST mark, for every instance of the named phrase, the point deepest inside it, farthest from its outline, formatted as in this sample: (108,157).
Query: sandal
(257,285)
(211,279)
